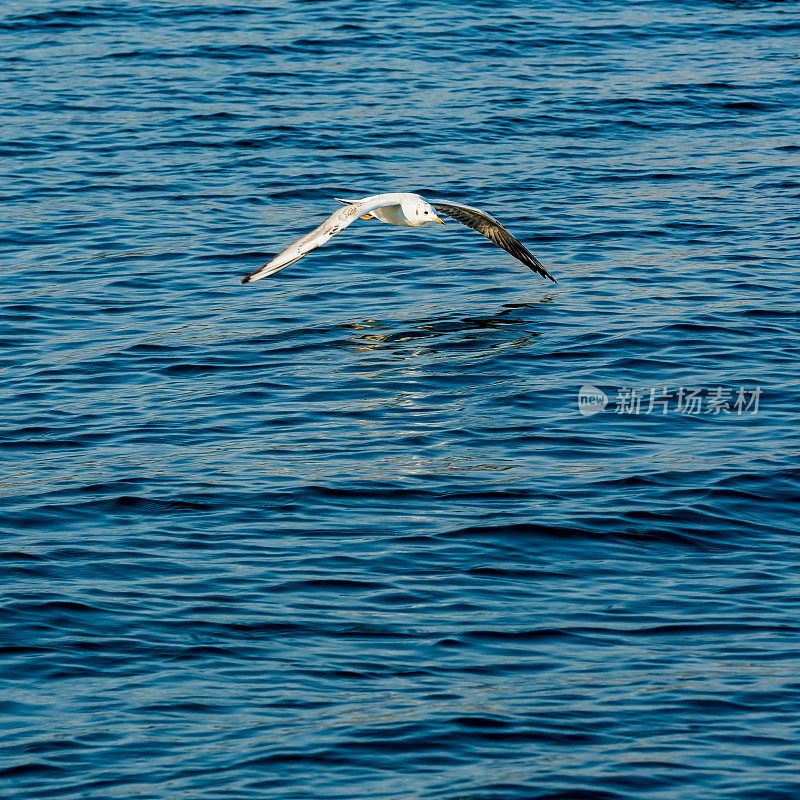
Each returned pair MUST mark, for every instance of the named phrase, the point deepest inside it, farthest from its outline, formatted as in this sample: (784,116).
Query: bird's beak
(436,219)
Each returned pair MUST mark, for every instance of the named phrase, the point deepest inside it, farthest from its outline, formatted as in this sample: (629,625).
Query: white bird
(399,208)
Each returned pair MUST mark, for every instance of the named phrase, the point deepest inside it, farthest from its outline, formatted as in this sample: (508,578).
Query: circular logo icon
(591,400)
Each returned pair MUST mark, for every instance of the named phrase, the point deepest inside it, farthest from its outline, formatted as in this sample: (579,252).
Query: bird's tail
(352,203)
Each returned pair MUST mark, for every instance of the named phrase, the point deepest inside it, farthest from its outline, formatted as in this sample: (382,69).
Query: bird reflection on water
(451,330)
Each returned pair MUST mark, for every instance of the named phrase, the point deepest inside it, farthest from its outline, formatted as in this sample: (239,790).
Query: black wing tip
(535,265)
(545,274)
(252,276)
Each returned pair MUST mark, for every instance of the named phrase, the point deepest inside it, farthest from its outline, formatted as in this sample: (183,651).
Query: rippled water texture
(343,533)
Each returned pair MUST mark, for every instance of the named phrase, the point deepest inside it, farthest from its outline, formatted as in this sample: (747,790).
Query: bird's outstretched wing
(487,225)
(335,223)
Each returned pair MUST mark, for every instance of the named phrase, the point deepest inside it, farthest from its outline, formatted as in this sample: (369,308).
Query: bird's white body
(398,208)
(402,208)
(395,215)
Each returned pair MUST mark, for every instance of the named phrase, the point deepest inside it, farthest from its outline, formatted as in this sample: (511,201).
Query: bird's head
(422,211)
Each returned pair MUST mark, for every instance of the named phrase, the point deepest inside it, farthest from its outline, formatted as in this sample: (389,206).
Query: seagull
(399,208)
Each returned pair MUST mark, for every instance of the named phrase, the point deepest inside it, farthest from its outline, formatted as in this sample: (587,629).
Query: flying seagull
(399,208)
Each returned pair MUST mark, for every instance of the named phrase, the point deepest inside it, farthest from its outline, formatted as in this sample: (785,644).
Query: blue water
(344,533)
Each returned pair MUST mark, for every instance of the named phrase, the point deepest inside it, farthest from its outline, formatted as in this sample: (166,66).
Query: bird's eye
(426,212)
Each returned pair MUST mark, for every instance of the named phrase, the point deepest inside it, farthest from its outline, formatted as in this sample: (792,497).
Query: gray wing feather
(487,225)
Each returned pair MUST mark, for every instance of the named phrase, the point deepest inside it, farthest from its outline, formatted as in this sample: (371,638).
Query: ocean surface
(405,520)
